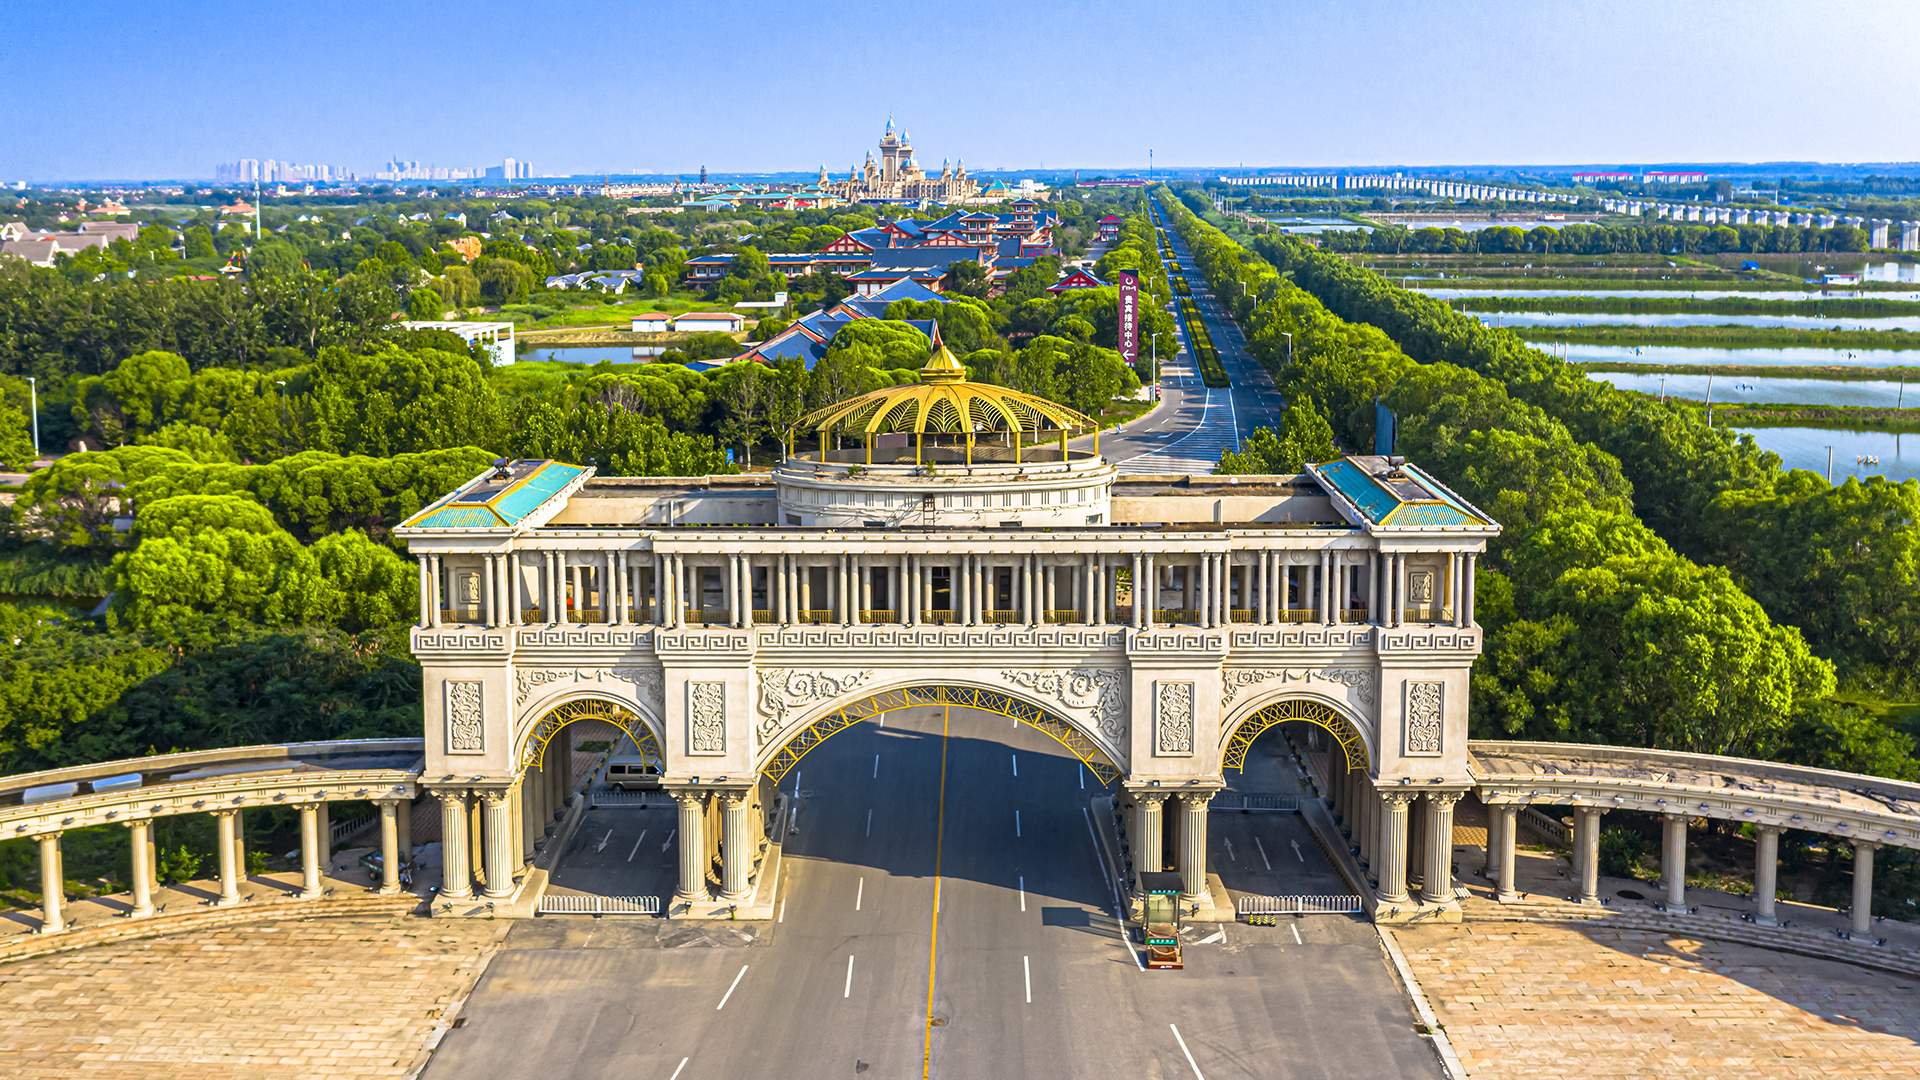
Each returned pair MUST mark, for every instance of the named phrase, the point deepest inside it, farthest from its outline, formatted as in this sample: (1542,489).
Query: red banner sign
(1129,282)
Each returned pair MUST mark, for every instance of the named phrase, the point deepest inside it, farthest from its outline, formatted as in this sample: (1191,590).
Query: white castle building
(1153,625)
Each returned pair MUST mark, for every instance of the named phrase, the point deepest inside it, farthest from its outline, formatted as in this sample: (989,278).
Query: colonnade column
(310,851)
(1588,837)
(693,846)
(1147,858)
(1509,821)
(1152,584)
(229,873)
(1466,587)
(456,874)
(736,846)
(53,885)
(1673,859)
(389,847)
(1204,600)
(1438,870)
(139,835)
(426,593)
(499,841)
(1766,874)
(1863,885)
(1193,846)
(433,590)
(1393,846)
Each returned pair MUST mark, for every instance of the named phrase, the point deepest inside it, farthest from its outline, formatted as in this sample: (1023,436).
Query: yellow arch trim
(1280,712)
(535,751)
(964,697)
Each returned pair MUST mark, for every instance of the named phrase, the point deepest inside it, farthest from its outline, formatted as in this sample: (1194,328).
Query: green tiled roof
(1412,500)
(489,503)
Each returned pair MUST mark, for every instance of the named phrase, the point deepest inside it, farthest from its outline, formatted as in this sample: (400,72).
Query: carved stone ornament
(1359,680)
(649,683)
(707,717)
(466,721)
(1425,722)
(1099,693)
(1173,718)
(1420,587)
(784,690)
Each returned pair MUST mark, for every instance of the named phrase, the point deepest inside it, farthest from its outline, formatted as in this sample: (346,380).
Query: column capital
(1398,799)
(688,797)
(1867,845)
(733,798)
(1445,799)
(1675,815)
(224,811)
(495,796)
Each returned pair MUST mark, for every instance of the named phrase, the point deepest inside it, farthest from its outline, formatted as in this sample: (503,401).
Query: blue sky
(126,90)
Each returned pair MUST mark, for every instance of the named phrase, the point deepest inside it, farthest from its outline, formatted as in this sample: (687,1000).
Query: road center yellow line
(933,946)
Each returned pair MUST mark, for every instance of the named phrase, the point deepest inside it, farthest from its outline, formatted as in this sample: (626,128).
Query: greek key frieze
(942,637)
(1303,637)
(1098,693)
(458,641)
(585,636)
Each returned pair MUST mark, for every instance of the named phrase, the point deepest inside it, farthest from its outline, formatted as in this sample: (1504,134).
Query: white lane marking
(1023,894)
(783,911)
(883,719)
(876,766)
(1217,935)
(1083,778)
(1026,965)
(1016,823)
(1183,1049)
(1296,934)
(1296,850)
(636,846)
(848,992)
(602,845)
(730,989)
(869,822)
(1231,857)
(860,894)
(1016,763)
(1263,852)
(796,783)
(670,836)
(676,1071)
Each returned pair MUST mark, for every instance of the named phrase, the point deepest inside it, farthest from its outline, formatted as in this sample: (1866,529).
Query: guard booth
(1162,893)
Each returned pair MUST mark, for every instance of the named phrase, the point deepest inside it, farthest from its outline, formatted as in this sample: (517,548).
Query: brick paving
(287,998)
(1540,1001)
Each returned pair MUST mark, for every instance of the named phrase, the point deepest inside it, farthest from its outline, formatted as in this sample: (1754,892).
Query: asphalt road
(927,930)
(1194,423)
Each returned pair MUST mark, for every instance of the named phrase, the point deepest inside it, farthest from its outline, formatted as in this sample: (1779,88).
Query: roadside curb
(452,1012)
(1430,1024)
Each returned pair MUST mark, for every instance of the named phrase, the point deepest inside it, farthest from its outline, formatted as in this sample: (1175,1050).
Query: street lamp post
(1153,365)
(1289,338)
(33,393)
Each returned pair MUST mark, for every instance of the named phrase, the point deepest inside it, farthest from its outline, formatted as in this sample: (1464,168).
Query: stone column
(139,836)
(736,846)
(1146,834)
(403,823)
(1863,885)
(1193,846)
(1589,819)
(434,590)
(1153,592)
(499,811)
(426,593)
(1673,859)
(1454,595)
(389,847)
(1490,870)
(1766,874)
(693,847)
(229,873)
(1392,860)
(733,590)
(53,887)
(858,598)
(1509,821)
(310,851)
(456,875)
(240,842)
(1399,590)
(1466,583)
(1366,829)
(1438,886)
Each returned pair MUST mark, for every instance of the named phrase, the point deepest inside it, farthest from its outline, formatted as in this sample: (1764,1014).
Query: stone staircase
(22,946)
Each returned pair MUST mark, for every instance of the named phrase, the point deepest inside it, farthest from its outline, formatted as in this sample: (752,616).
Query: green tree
(425,305)
(1304,438)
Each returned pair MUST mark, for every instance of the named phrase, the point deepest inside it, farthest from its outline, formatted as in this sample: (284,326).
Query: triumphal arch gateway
(946,543)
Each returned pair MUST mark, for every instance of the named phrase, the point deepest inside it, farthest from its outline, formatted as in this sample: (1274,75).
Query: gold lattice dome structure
(943,402)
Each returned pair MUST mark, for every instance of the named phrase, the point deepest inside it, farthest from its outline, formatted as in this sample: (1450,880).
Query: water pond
(1801,322)
(1885,395)
(1807,448)
(1691,354)
(619,354)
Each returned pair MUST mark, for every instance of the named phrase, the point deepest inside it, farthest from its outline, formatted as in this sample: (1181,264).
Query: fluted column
(390,856)
(1509,821)
(456,873)
(693,846)
(1153,592)
(1438,871)
(1147,858)
(229,872)
(310,851)
(1203,602)
(1491,868)
(499,811)
(736,846)
(1766,874)
(139,834)
(1863,885)
(1673,859)
(433,590)
(53,886)
(1467,585)
(1393,846)
(1193,846)
(1589,820)
(426,592)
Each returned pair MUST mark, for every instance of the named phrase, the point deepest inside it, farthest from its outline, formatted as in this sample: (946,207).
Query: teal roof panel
(1352,481)
(499,500)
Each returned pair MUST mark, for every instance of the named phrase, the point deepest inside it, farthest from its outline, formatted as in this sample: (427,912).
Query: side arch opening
(962,697)
(1311,712)
(534,752)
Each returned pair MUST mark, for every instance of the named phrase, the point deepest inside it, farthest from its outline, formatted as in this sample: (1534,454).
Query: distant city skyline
(1294,84)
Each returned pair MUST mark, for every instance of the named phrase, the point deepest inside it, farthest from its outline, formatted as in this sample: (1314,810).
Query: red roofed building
(1109,229)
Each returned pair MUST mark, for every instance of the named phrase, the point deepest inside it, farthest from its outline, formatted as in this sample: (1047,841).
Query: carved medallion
(1425,723)
(1173,718)
(466,720)
(707,717)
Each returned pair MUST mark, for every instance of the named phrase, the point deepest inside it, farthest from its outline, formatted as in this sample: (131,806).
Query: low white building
(496,336)
(694,322)
(652,322)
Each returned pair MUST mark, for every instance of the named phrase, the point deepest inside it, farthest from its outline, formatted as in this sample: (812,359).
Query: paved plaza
(1538,1002)
(296,998)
